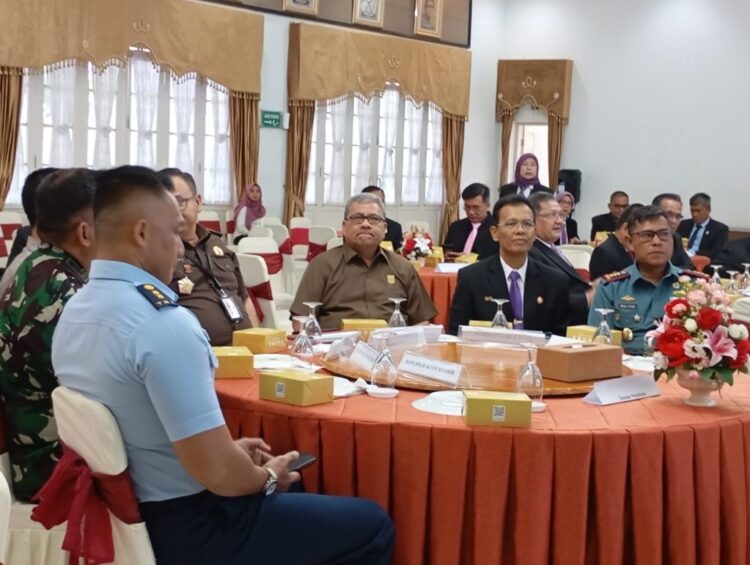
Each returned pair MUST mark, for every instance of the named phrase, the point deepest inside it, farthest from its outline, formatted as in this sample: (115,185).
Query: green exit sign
(271,119)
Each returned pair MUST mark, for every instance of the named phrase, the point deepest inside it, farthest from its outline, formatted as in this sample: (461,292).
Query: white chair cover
(321,235)
(91,431)
(300,222)
(335,242)
(254,272)
(260,231)
(577,248)
(5,502)
(579,258)
(281,294)
(267,221)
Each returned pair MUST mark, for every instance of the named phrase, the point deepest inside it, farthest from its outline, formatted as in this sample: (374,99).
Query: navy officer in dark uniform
(637,295)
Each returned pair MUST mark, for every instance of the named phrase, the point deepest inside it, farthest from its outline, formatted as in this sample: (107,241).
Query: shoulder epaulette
(695,274)
(156,297)
(616,276)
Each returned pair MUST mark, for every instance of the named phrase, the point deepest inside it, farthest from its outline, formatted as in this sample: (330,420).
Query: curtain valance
(543,84)
(327,63)
(221,43)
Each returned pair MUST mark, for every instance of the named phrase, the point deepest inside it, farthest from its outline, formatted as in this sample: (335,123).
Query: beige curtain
(11,79)
(453,153)
(298,144)
(554,143)
(507,120)
(244,138)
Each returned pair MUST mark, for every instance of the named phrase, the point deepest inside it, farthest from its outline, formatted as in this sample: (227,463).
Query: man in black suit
(472,233)
(612,255)
(536,294)
(549,220)
(618,201)
(705,235)
(671,204)
(734,254)
(394,233)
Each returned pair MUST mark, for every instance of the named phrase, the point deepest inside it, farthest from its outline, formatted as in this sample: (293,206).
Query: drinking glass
(745,280)
(603,334)
(302,348)
(312,327)
(715,278)
(398,319)
(732,285)
(499,321)
(530,380)
(384,372)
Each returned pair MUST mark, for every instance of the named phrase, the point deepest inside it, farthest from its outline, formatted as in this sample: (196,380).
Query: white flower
(691,325)
(660,361)
(738,331)
(693,350)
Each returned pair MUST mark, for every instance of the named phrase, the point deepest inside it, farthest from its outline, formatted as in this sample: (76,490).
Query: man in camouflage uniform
(29,311)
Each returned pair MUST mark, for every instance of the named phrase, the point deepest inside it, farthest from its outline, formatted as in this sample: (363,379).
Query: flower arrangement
(696,335)
(417,244)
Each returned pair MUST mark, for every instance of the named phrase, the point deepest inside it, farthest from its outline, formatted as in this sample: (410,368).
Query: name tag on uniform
(391,279)
(230,307)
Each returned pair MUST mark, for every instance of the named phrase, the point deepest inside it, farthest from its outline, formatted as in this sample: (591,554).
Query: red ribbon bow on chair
(274,261)
(313,250)
(76,494)
(262,290)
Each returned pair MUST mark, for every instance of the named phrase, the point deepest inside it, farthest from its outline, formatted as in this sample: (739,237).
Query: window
(389,142)
(80,116)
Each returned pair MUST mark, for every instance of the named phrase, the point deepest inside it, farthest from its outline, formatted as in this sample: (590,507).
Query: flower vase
(700,389)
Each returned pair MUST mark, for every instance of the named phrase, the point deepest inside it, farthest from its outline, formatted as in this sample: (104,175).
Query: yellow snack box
(467,258)
(480,323)
(586,333)
(437,251)
(234,363)
(298,388)
(260,340)
(491,408)
(364,325)
(431,261)
(385,244)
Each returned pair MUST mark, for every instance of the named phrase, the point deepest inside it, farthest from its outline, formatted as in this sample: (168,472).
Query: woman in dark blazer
(526,178)
(568,204)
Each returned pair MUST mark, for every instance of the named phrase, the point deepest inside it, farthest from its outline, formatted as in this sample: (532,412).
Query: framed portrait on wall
(368,12)
(428,18)
(309,7)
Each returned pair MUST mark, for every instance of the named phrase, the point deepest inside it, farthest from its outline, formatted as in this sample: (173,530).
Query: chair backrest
(300,222)
(280,233)
(257,245)
(254,272)
(210,220)
(229,221)
(5,502)
(260,231)
(579,258)
(268,221)
(91,430)
(335,242)
(577,248)
(321,235)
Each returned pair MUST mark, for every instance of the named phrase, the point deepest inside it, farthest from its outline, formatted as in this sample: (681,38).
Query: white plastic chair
(255,272)
(300,222)
(321,235)
(281,294)
(257,245)
(267,221)
(280,233)
(5,503)
(90,429)
(335,242)
(260,231)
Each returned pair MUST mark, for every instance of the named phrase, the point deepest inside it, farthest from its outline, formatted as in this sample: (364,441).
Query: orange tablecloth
(440,287)
(652,481)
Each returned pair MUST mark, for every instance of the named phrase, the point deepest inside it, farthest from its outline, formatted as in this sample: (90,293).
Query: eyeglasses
(673,216)
(372,219)
(512,226)
(553,215)
(647,235)
(182,202)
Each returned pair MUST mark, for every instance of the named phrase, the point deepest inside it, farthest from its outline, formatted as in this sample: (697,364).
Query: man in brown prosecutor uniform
(207,277)
(357,279)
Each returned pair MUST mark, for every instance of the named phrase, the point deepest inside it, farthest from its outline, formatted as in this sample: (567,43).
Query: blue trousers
(284,528)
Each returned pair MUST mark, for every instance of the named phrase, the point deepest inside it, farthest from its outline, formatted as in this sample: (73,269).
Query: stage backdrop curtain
(11,80)
(544,85)
(328,64)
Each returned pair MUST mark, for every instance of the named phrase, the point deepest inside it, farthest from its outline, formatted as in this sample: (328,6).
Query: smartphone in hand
(304,460)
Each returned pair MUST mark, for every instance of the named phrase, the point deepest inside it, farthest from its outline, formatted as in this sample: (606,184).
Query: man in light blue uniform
(637,295)
(125,342)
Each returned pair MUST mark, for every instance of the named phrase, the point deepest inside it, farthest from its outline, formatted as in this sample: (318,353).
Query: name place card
(435,369)
(624,389)
(501,335)
(449,267)
(364,356)
(342,347)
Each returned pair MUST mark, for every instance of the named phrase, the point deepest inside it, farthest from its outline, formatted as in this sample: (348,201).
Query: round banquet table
(652,481)
(440,287)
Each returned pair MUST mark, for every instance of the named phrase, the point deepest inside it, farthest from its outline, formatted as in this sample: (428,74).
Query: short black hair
(538,198)
(618,194)
(476,189)
(665,196)
(28,192)
(187,177)
(625,216)
(117,185)
(644,214)
(372,188)
(700,199)
(510,200)
(60,198)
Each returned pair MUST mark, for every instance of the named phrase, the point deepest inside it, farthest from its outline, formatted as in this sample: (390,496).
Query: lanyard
(227,302)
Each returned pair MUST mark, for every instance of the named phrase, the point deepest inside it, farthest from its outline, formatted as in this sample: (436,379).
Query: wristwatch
(269,487)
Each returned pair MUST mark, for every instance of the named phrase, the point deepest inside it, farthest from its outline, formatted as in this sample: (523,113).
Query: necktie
(471,238)
(564,234)
(694,237)
(516,302)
